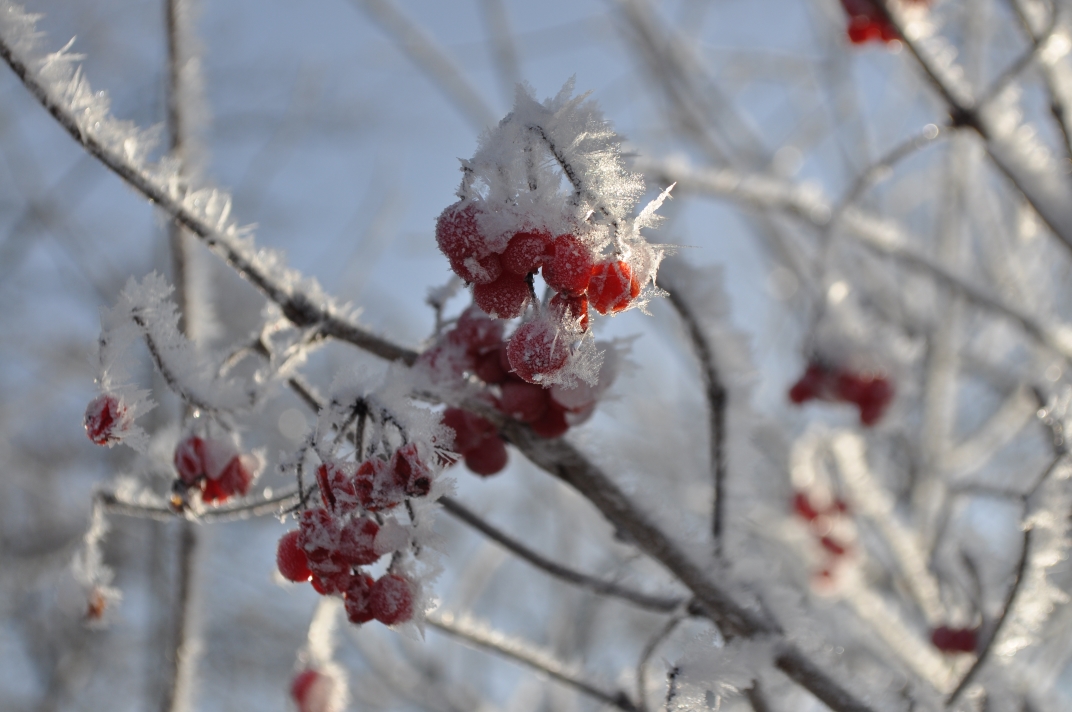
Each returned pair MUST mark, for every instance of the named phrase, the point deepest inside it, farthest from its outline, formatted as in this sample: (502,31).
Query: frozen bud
(107,419)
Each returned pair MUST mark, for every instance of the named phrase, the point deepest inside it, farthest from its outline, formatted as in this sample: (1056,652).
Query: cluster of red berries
(868,22)
(872,393)
(334,541)
(215,466)
(502,286)
(955,640)
(823,524)
(107,419)
(475,346)
(313,690)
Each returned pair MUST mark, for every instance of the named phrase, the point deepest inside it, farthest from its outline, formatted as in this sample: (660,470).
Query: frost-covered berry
(870,392)
(107,418)
(525,252)
(811,385)
(410,472)
(357,599)
(490,367)
(338,488)
(487,458)
(318,534)
(569,268)
(190,460)
(313,691)
(476,331)
(459,238)
(526,402)
(331,576)
(537,351)
(356,541)
(570,310)
(290,558)
(613,286)
(505,298)
(391,599)
(376,487)
(955,640)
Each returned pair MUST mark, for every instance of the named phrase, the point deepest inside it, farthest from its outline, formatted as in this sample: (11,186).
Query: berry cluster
(830,526)
(867,22)
(475,347)
(334,541)
(215,466)
(502,282)
(107,419)
(870,392)
(955,640)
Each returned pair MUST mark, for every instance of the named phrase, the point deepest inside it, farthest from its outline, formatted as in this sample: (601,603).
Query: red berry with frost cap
(357,596)
(470,430)
(569,268)
(571,309)
(505,298)
(487,458)
(318,534)
(356,542)
(391,599)
(476,331)
(291,559)
(376,487)
(410,472)
(613,286)
(537,351)
(525,252)
(331,576)
(459,238)
(106,419)
(190,460)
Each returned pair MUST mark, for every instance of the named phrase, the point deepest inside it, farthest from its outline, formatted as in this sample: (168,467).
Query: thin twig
(645,657)
(716,411)
(662,604)
(480,635)
(757,698)
(1010,601)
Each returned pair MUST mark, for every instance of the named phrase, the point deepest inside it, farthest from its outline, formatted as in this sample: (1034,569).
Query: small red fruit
(331,576)
(487,458)
(190,460)
(526,252)
(613,286)
(376,487)
(955,640)
(318,534)
(811,385)
(355,542)
(391,600)
(106,419)
(573,310)
(313,691)
(489,367)
(459,238)
(290,558)
(552,423)
(410,472)
(505,298)
(832,546)
(803,507)
(526,402)
(476,331)
(570,266)
(357,599)
(470,430)
(537,351)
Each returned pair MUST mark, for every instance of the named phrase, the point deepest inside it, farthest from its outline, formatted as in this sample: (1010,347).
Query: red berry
(376,487)
(338,488)
(811,385)
(391,600)
(803,507)
(573,310)
(505,298)
(238,475)
(524,401)
(537,351)
(955,640)
(410,472)
(489,367)
(477,331)
(331,576)
(459,238)
(526,252)
(570,266)
(355,542)
(613,286)
(487,458)
(190,460)
(357,599)
(313,691)
(470,430)
(290,558)
(319,534)
(106,419)
(552,424)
